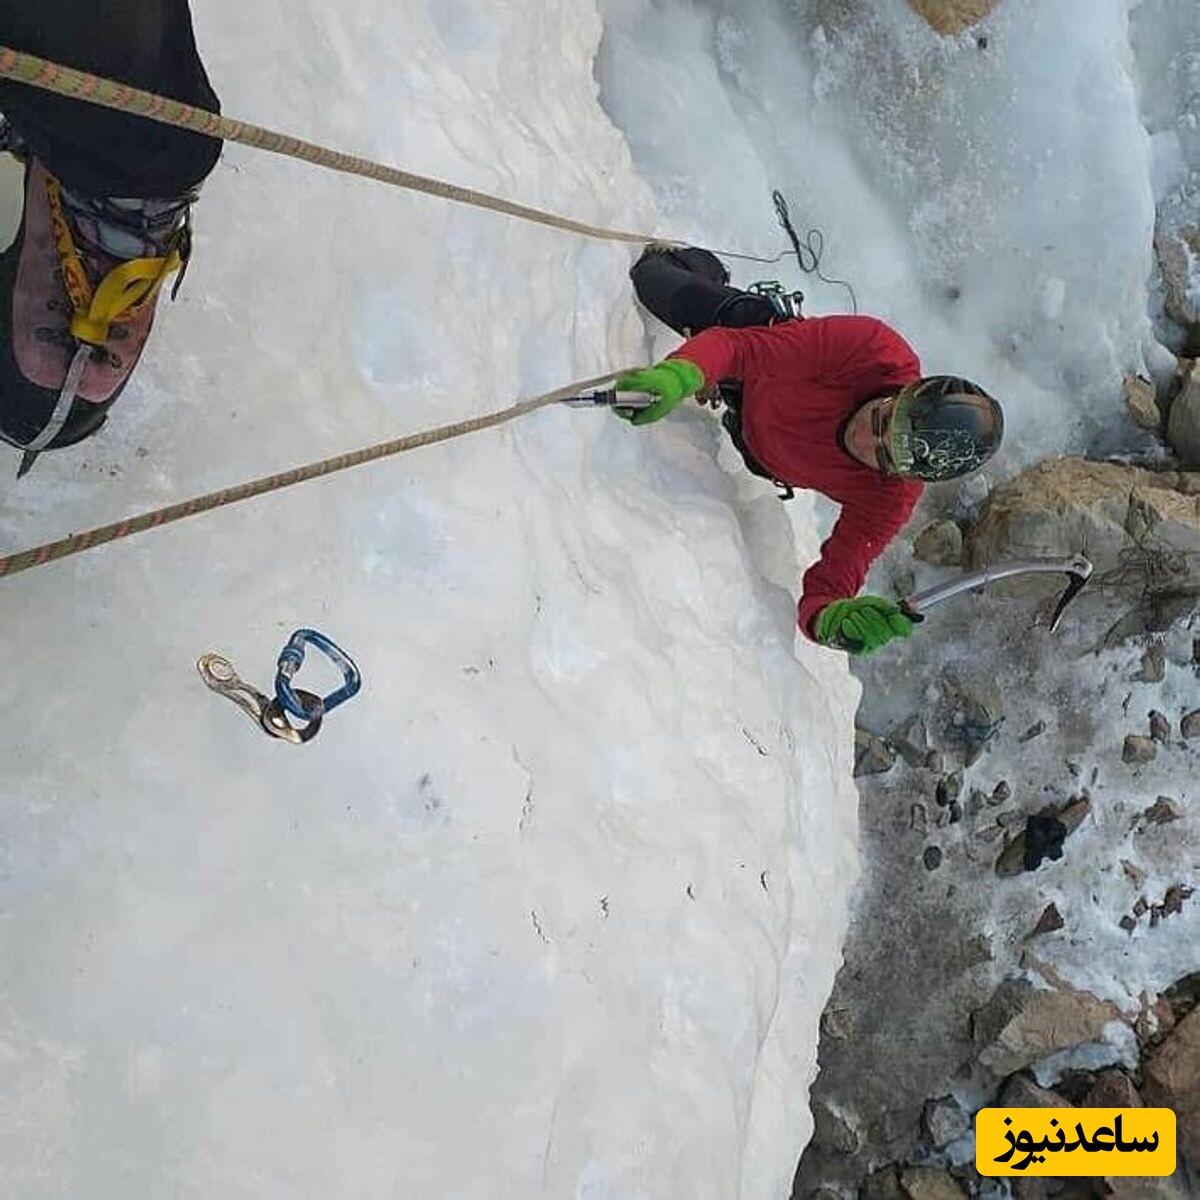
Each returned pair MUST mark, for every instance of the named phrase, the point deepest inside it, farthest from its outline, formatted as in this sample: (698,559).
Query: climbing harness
(118,297)
(788,305)
(271,713)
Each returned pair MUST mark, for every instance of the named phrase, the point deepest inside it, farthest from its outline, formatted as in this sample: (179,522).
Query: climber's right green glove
(861,625)
(672,381)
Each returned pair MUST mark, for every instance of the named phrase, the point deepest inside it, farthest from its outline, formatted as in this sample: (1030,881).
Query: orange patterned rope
(80,85)
(77,542)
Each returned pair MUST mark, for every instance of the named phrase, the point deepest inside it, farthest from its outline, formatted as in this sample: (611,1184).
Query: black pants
(96,151)
(689,291)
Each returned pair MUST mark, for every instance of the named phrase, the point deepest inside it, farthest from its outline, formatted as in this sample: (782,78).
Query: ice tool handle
(610,398)
(291,659)
(1077,569)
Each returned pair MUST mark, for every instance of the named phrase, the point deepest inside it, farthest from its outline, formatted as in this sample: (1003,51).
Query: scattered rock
(1050,920)
(1177,244)
(835,1131)
(1141,906)
(1113,1089)
(932,858)
(836,1023)
(1171,1079)
(949,788)
(1127,923)
(949,17)
(1196,651)
(1190,725)
(1035,730)
(872,755)
(1020,1091)
(1183,995)
(882,1185)
(1154,665)
(1138,749)
(1176,894)
(1140,402)
(1160,728)
(1043,837)
(976,802)
(911,740)
(940,544)
(943,1121)
(1133,873)
(1155,1019)
(1019,1025)
(1162,812)
(918,818)
(1183,421)
(935,762)
(1001,793)
(1131,1188)
(930,1183)
(955,812)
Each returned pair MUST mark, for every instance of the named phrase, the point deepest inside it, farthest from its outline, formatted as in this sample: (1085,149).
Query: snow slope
(552,907)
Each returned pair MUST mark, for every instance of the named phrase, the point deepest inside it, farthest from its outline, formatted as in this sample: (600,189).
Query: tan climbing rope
(92,89)
(78,542)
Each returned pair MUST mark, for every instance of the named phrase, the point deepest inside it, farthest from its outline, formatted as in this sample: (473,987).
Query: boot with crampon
(78,291)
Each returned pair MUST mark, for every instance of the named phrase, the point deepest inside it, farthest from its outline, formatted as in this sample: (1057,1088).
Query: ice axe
(610,398)
(1077,569)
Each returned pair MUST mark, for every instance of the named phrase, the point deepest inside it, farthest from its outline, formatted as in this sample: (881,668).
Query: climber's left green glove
(672,381)
(861,625)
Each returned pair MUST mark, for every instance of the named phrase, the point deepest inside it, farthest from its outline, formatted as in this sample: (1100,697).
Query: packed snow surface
(553,906)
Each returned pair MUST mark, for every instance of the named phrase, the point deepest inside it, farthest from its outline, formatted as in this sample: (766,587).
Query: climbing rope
(80,85)
(93,89)
(78,542)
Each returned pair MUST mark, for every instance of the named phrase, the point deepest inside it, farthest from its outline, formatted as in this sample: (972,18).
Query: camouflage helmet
(943,427)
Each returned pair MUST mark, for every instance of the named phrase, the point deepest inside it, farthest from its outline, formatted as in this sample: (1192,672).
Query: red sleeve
(855,352)
(862,533)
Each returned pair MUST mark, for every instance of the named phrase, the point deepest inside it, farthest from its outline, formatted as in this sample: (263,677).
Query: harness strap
(121,294)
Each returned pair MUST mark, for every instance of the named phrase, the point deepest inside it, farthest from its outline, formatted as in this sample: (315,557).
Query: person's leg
(101,189)
(689,290)
(95,151)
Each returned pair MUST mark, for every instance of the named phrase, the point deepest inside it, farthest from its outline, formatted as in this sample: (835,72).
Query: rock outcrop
(1140,528)
(953,16)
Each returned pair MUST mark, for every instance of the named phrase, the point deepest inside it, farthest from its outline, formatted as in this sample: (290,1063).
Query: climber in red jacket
(837,404)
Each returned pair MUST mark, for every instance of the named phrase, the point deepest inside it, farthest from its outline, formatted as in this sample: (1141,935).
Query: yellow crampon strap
(120,294)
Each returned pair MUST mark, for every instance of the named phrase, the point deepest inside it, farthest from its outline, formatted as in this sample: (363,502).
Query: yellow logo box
(1075,1141)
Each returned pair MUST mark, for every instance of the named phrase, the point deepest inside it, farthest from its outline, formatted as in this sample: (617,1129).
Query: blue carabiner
(291,657)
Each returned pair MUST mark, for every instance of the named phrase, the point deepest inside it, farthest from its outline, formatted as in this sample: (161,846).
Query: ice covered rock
(1141,528)
(1020,1025)
(940,544)
(1171,1079)
(1183,420)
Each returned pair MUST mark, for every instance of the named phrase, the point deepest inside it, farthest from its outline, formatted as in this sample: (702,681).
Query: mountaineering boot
(78,290)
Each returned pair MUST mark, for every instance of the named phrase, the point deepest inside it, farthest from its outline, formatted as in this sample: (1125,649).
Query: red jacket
(801,381)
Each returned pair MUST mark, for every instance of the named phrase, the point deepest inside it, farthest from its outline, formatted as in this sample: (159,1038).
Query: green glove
(861,625)
(671,381)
